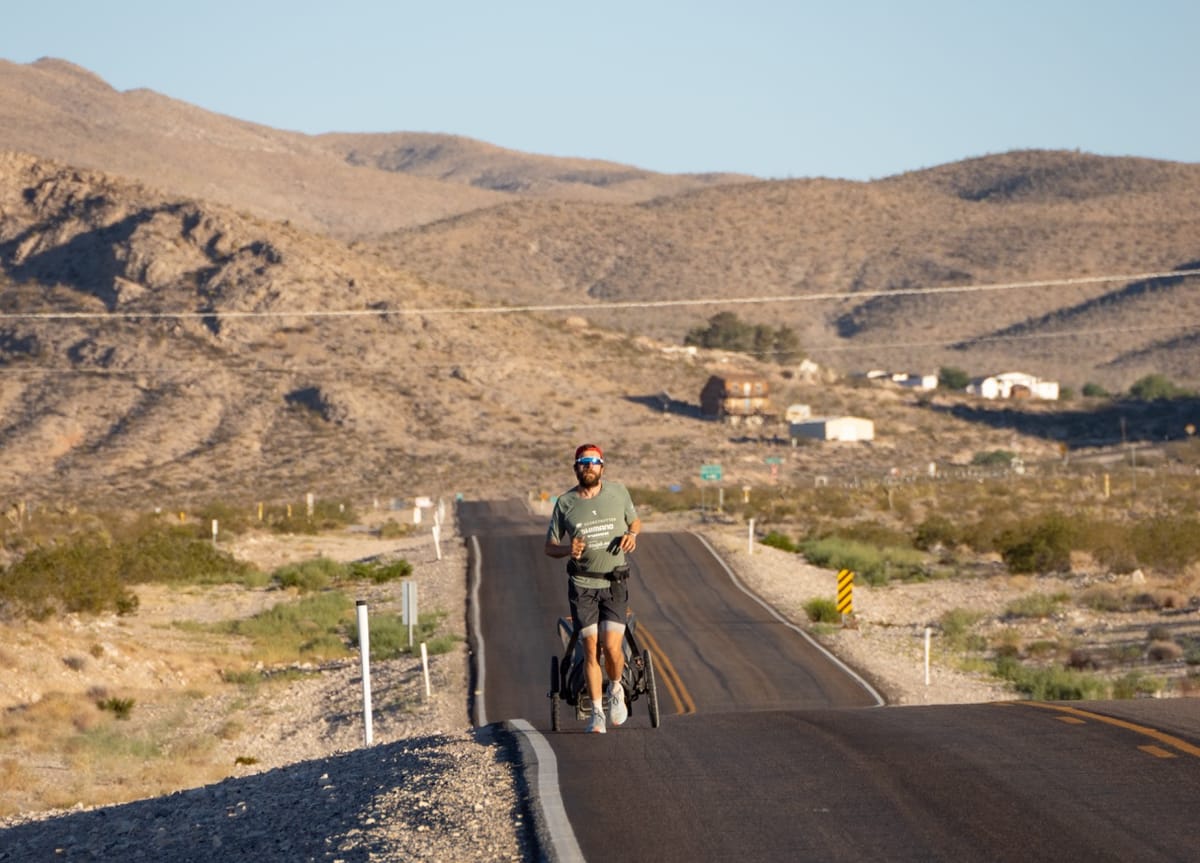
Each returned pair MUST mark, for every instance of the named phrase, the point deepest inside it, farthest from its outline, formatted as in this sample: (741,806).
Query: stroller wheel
(554,697)
(651,690)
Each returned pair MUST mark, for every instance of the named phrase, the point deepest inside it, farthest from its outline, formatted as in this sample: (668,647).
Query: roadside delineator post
(364,649)
(845,593)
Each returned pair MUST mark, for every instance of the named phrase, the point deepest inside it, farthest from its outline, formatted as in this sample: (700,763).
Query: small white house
(798,413)
(1013,385)
(833,428)
(909,380)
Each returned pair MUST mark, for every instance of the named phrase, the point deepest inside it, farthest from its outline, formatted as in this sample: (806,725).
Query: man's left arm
(629,538)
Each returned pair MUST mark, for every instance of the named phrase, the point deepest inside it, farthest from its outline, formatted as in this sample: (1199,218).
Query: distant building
(1013,385)
(733,397)
(910,380)
(797,413)
(833,428)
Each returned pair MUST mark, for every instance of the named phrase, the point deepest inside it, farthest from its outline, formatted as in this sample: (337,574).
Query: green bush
(1035,605)
(309,575)
(874,565)
(1157,387)
(379,572)
(936,530)
(993,458)
(1167,543)
(82,575)
(822,610)
(1041,545)
(951,378)
(778,540)
(956,625)
(1050,684)
(314,627)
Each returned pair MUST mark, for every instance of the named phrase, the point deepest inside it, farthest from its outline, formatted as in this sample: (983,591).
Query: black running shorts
(589,606)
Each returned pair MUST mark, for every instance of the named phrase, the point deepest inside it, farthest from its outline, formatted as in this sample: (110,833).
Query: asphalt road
(771,750)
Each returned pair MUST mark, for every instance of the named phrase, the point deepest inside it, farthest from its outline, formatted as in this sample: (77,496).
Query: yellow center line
(679,694)
(1153,733)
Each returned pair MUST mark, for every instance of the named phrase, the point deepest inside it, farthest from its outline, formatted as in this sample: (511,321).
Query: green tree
(951,378)
(1156,387)
(726,332)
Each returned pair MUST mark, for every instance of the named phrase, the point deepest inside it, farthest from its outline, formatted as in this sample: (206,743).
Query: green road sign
(773,459)
(710,471)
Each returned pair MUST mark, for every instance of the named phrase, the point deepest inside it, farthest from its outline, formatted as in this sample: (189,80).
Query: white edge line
(558,838)
(480,665)
(879,701)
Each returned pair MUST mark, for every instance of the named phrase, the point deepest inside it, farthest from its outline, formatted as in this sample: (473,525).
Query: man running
(595,524)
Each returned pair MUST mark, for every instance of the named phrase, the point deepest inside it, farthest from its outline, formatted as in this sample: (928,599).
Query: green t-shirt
(602,520)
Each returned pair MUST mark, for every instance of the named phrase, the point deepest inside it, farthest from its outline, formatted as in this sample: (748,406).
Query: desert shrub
(1041,545)
(1157,387)
(1035,605)
(956,625)
(1164,651)
(174,555)
(1050,684)
(327,515)
(309,575)
(1135,685)
(822,610)
(993,458)
(876,566)
(934,531)
(1167,543)
(392,529)
(778,540)
(82,575)
(1092,390)
(1104,599)
(952,378)
(874,533)
(119,707)
(230,519)
(311,628)
(389,636)
(379,572)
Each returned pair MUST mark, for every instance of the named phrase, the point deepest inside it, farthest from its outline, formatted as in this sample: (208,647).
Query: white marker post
(214,530)
(408,607)
(928,633)
(364,649)
(437,546)
(425,668)
(750,539)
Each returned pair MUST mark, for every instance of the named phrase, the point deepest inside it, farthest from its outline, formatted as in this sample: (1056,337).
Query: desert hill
(193,305)
(344,185)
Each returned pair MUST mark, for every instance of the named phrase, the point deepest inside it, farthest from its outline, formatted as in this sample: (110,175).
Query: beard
(589,479)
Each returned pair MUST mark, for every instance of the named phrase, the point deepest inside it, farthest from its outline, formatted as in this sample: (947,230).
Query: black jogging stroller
(568,682)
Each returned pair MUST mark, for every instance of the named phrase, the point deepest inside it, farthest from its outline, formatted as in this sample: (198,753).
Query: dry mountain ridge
(853,259)
(345,185)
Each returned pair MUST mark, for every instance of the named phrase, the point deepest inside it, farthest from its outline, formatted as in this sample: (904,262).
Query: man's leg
(591,667)
(614,653)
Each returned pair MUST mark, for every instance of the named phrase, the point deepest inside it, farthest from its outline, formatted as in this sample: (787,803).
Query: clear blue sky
(773,88)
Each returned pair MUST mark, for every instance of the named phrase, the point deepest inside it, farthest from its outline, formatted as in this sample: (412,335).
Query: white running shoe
(617,711)
(596,723)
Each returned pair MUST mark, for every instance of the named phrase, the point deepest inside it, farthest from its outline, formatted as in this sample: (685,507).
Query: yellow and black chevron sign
(845,593)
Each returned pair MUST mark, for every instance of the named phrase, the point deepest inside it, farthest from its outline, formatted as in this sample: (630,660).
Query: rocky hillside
(192,305)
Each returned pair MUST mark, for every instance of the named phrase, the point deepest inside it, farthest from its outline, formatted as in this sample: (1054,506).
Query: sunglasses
(588,460)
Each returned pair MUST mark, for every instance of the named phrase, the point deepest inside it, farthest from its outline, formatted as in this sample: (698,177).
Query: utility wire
(630,304)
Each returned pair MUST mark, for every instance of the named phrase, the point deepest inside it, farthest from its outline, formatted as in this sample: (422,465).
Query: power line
(603,306)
